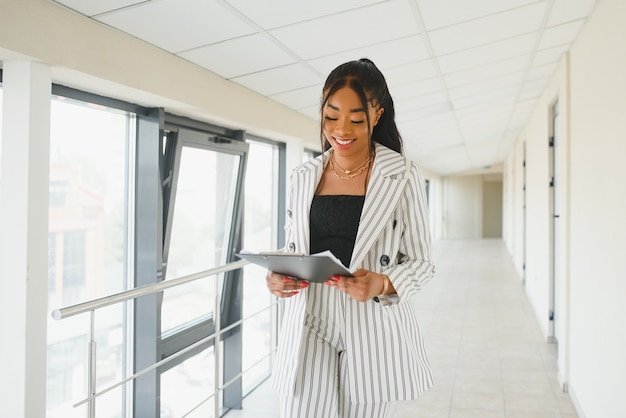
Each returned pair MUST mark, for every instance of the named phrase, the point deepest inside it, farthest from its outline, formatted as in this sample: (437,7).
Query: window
(87,242)
(261,229)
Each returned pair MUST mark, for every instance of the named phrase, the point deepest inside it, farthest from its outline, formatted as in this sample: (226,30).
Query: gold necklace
(354,169)
(362,167)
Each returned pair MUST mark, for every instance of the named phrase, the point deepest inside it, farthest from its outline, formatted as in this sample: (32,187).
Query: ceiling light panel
(488,29)
(240,56)
(440,13)
(169,25)
(348,30)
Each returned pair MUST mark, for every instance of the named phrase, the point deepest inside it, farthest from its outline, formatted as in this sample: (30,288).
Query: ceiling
(464,75)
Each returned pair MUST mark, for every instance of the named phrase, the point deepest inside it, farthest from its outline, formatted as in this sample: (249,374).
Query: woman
(351,347)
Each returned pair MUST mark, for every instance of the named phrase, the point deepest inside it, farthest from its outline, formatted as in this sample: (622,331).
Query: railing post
(217,318)
(92,366)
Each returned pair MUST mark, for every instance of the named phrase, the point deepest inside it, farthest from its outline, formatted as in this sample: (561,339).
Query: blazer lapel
(385,188)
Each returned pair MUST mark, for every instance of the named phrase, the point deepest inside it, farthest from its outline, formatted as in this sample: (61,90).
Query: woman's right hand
(283,286)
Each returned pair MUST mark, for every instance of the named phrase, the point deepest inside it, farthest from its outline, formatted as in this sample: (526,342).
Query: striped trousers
(322,383)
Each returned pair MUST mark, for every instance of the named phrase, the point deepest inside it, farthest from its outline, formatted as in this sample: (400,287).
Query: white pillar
(24,238)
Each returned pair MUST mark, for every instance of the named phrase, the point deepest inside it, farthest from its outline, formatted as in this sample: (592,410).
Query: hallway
(488,355)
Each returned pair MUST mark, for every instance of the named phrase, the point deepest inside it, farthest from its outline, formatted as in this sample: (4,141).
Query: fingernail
(327,283)
(305,284)
(336,278)
(287,279)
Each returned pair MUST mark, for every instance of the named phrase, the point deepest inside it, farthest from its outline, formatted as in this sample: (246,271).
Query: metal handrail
(102,302)
(124,296)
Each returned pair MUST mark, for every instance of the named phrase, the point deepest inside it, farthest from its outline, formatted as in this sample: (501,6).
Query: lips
(343,141)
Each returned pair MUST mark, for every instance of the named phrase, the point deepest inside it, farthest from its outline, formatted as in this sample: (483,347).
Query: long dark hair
(368,83)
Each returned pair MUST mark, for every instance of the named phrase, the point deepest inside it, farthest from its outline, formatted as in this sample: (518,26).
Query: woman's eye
(330,119)
(357,122)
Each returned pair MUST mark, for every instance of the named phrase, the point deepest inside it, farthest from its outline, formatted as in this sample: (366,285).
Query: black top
(334,224)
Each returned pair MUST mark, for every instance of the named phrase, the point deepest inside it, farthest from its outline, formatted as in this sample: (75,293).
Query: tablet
(316,268)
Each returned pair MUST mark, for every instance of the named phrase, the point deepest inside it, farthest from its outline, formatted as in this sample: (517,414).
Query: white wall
(591,87)
(598,213)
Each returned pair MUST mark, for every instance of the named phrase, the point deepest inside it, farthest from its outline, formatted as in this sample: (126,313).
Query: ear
(378,114)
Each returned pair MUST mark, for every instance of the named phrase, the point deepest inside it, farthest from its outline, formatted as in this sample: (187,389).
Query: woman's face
(345,123)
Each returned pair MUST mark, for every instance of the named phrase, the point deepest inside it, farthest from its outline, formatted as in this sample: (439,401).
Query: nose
(343,125)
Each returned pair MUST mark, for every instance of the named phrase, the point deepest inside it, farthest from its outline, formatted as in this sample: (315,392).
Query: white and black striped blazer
(386,356)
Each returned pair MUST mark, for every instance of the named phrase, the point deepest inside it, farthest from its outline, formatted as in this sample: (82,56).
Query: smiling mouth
(344,141)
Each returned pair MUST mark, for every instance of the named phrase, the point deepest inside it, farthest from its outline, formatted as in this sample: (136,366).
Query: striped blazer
(386,358)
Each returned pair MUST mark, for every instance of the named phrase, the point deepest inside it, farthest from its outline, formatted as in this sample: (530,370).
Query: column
(24,237)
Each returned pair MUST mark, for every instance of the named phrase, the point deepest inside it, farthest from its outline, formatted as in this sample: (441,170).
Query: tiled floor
(488,355)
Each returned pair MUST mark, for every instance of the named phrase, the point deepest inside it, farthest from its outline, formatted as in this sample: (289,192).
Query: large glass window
(260,234)
(87,242)
(205,195)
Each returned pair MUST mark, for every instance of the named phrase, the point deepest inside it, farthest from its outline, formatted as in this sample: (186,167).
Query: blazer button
(289,212)
(384,260)
(394,224)
(292,247)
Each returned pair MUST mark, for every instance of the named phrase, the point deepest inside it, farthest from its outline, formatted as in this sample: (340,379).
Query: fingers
(284,286)
(358,287)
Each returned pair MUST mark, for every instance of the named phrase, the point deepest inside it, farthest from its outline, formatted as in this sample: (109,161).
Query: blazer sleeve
(414,266)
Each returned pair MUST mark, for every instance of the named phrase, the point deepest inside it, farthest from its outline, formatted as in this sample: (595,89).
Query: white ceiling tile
(502,94)
(348,30)
(439,13)
(542,71)
(239,56)
(301,98)
(169,25)
(384,54)
(279,80)
(486,54)
(568,10)
(486,72)
(312,111)
(495,83)
(94,7)
(559,35)
(484,111)
(286,12)
(484,51)
(422,106)
(488,29)
(550,55)
(407,73)
(416,89)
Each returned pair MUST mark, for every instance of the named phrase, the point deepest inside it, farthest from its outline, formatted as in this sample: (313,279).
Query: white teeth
(343,142)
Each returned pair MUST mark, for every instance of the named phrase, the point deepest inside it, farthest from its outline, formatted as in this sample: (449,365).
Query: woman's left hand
(363,286)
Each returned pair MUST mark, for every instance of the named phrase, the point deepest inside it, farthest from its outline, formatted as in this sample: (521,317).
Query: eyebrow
(356,110)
